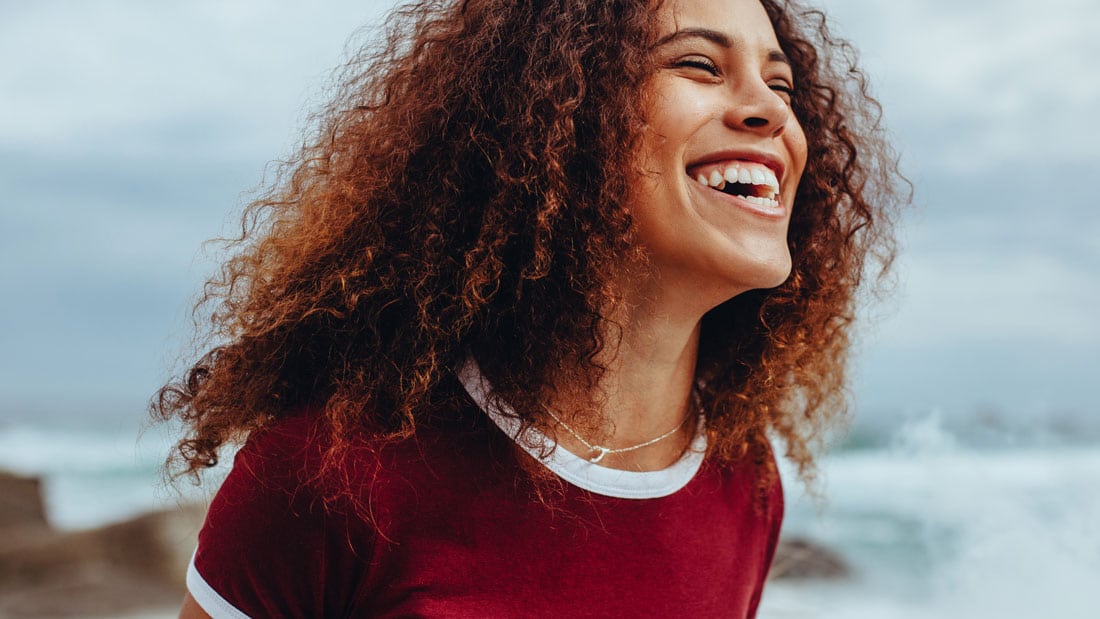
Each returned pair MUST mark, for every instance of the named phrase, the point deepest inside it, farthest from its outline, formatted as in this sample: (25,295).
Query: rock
(21,502)
(103,572)
(155,546)
(99,593)
(802,559)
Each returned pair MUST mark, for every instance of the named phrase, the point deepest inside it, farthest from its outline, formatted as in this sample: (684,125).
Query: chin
(781,274)
(771,274)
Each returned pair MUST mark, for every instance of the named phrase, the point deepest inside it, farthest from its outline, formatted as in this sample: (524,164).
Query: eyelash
(699,63)
(708,66)
(787,90)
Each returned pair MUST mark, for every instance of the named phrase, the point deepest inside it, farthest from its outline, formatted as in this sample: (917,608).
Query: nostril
(755,121)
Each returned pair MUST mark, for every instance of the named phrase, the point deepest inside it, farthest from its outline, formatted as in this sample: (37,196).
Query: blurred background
(969,483)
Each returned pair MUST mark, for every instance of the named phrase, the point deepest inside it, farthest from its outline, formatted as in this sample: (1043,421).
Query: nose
(755,107)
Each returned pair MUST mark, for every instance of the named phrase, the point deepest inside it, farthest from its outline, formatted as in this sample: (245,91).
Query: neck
(646,389)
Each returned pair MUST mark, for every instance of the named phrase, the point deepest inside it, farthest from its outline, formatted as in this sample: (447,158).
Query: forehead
(744,21)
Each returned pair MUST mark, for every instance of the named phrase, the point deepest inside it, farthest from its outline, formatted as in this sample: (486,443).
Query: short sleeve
(268,547)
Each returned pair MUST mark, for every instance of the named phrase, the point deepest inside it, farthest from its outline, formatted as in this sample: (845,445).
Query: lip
(753,156)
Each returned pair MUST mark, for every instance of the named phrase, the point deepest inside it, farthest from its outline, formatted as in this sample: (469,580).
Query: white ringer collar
(581,472)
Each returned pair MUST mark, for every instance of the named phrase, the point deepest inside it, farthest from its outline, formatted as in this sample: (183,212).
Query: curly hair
(460,198)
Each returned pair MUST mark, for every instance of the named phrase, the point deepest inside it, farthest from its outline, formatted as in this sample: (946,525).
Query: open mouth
(754,182)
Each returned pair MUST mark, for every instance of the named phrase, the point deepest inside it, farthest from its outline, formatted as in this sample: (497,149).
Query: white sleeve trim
(213,603)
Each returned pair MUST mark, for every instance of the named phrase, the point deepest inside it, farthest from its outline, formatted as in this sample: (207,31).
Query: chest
(698,553)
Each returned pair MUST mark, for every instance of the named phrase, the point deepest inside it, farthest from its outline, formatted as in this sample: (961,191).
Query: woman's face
(721,155)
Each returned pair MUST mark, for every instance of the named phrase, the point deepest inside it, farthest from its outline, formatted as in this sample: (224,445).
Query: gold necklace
(602,451)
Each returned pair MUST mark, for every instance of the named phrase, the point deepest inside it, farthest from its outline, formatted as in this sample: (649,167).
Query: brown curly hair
(460,199)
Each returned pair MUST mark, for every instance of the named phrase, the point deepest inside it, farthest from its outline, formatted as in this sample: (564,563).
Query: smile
(754,182)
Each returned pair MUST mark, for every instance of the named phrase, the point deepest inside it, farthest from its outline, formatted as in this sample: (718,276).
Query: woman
(510,337)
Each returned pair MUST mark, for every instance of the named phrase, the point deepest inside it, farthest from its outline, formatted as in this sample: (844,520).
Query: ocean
(932,525)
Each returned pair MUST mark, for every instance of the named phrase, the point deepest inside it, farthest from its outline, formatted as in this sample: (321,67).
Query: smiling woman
(511,336)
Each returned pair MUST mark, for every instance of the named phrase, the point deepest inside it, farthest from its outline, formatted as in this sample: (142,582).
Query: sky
(131,132)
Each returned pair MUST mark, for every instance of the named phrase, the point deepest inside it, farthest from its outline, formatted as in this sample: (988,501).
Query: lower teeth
(762,201)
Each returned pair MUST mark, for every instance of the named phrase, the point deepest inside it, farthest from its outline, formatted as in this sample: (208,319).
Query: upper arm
(191,609)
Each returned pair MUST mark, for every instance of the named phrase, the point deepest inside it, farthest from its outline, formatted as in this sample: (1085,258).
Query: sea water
(931,526)
(95,475)
(935,528)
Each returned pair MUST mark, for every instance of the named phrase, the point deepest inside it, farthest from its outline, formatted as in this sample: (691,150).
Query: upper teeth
(741,172)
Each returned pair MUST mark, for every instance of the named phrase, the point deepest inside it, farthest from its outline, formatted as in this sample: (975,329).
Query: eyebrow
(719,39)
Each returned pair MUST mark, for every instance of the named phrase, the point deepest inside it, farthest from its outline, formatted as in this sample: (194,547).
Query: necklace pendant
(603,452)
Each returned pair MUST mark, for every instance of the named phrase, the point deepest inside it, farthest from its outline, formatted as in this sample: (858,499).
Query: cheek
(676,110)
(647,158)
(795,141)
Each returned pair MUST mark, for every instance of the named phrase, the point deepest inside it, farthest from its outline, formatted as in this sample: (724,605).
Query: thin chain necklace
(600,451)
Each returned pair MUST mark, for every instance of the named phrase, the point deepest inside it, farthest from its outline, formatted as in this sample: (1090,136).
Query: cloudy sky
(129,132)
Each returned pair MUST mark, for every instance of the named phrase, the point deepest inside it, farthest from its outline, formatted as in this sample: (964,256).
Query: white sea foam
(39,450)
(935,529)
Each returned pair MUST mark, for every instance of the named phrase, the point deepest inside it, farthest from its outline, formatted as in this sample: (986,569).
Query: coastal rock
(155,546)
(104,572)
(21,502)
(802,559)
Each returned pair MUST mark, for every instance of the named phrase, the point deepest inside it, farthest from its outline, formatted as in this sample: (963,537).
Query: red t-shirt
(457,532)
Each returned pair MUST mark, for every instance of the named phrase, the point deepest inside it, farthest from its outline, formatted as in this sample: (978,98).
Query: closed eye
(703,64)
(786,91)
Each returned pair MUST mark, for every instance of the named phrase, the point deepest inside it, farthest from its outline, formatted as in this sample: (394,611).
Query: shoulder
(279,457)
(271,518)
(280,467)
(749,490)
(754,472)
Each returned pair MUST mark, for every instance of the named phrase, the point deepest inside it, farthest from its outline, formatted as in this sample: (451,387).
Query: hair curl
(459,197)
